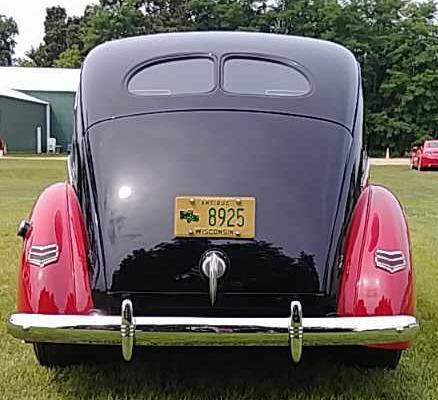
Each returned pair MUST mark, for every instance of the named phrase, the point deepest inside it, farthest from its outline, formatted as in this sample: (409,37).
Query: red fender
(377,222)
(62,286)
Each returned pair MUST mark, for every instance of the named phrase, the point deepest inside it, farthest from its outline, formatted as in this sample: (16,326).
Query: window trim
(430,142)
(266,58)
(169,58)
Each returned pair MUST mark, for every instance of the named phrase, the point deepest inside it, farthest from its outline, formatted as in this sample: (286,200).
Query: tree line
(395,42)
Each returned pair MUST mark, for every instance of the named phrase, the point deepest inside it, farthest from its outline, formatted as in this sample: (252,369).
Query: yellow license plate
(215,217)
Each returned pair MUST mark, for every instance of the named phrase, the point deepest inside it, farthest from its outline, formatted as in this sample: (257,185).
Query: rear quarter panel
(378,222)
(61,287)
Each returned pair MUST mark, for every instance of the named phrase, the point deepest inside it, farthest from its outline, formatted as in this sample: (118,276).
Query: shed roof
(14,94)
(40,79)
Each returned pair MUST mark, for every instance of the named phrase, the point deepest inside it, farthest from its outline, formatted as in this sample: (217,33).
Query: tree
(8,31)
(39,57)
(367,28)
(24,62)
(395,42)
(70,58)
(111,20)
(221,14)
(314,18)
(410,91)
(73,32)
(61,33)
(55,27)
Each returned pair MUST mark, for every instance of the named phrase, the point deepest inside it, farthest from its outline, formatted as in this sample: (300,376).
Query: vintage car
(218,196)
(425,156)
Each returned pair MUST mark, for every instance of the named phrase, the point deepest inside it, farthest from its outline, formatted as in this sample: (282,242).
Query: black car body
(298,154)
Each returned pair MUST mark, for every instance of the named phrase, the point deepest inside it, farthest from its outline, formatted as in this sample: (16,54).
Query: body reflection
(255,267)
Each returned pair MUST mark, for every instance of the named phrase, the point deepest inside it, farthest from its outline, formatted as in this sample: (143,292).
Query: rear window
(263,77)
(178,76)
(432,144)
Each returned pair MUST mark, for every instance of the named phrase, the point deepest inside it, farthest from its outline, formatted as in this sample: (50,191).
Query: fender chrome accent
(127,330)
(296,331)
(41,256)
(391,261)
(293,331)
(213,266)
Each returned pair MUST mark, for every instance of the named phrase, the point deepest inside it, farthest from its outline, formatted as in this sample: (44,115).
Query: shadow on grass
(253,373)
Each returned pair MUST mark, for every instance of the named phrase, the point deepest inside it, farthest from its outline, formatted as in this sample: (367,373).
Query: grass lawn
(221,373)
(21,154)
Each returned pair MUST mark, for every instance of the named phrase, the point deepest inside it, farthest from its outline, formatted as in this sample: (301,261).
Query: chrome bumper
(295,331)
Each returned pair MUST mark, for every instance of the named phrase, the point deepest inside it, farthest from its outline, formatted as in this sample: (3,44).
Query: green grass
(221,373)
(18,154)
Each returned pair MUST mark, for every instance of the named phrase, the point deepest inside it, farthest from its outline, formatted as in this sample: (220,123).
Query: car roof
(332,70)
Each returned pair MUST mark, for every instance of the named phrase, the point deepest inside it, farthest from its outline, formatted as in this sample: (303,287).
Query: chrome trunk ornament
(213,266)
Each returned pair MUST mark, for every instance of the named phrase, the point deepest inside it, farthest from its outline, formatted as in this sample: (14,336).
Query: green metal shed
(55,87)
(61,114)
(23,121)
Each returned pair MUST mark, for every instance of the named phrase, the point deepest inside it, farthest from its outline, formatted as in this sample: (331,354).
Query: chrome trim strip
(366,173)
(198,331)
(70,169)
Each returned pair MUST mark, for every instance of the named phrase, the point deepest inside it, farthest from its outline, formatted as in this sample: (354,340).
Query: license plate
(215,217)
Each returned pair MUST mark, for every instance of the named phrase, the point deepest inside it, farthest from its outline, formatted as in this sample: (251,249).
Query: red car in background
(425,156)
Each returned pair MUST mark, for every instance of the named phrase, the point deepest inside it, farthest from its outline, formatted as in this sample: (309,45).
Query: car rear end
(429,156)
(232,214)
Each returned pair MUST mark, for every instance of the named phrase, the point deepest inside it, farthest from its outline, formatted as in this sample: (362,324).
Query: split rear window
(240,75)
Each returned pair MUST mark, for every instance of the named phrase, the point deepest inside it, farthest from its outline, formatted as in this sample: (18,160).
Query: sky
(29,16)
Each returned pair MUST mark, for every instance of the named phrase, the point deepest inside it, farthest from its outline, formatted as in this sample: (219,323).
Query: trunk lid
(292,165)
